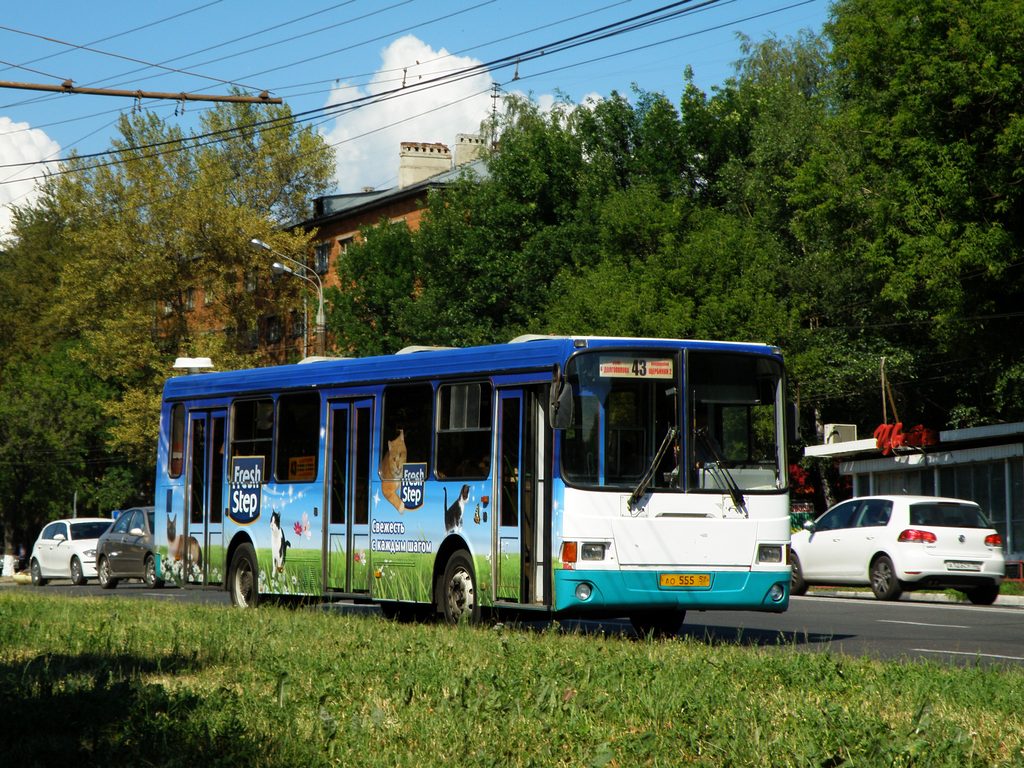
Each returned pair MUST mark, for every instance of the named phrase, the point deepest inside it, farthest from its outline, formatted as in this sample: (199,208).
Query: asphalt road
(912,628)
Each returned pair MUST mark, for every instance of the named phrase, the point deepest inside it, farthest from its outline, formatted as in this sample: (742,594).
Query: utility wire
(658,15)
(282,88)
(122,34)
(126,58)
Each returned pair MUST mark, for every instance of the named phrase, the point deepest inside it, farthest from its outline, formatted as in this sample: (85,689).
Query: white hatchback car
(66,549)
(901,543)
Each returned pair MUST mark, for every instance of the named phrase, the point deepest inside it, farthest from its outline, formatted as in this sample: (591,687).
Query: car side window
(60,529)
(121,526)
(875,512)
(838,517)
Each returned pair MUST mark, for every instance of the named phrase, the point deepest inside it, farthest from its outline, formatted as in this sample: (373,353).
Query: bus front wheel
(457,596)
(244,579)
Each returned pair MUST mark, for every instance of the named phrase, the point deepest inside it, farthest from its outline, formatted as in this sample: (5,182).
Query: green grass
(122,682)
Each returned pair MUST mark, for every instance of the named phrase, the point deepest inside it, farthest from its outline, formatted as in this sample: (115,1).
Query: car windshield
(90,530)
(944,514)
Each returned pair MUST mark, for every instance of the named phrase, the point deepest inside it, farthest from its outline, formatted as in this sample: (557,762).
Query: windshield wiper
(720,472)
(648,476)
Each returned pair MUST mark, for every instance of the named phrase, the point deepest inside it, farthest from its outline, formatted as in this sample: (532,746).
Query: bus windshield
(624,406)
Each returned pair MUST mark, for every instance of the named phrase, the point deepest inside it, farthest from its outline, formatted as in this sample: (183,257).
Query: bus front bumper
(608,591)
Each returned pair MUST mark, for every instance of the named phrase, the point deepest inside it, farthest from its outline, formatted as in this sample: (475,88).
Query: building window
(273,330)
(297,323)
(344,243)
(190,299)
(208,295)
(322,258)
(250,281)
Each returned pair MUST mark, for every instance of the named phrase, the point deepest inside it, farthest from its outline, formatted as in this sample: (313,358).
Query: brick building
(337,220)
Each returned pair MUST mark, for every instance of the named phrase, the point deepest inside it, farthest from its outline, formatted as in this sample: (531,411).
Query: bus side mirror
(559,401)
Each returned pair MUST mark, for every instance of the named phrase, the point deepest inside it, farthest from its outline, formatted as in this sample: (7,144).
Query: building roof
(994,433)
(330,207)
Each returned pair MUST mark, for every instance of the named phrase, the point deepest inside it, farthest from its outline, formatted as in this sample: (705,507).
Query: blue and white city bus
(569,476)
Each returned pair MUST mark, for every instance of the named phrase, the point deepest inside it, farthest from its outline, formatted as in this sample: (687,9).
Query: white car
(901,543)
(66,549)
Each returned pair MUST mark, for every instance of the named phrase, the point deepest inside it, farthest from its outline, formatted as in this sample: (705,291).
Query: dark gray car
(128,550)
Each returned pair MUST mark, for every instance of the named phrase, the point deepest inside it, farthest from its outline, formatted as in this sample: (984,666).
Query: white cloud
(20,144)
(366,140)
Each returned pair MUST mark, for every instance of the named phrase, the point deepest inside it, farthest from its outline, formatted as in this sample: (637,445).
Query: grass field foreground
(119,682)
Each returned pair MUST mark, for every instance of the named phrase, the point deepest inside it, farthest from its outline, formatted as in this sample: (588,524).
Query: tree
(914,200)
(378,282)
(122,249)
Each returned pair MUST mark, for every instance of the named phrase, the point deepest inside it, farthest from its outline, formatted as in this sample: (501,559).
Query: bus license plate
(685,579)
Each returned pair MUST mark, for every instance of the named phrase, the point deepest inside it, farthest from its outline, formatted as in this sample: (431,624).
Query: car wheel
(655,624)
(149,573)
(76,572)
(797,585)
(983,595)
(884,583)
(244,579)
(37,575)
(458,590)
(103,573)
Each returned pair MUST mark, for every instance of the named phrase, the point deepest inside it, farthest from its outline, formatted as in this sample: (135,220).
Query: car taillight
(912,534)
(993,540)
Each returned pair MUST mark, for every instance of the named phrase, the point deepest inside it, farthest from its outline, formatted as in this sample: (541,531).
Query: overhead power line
(656,16)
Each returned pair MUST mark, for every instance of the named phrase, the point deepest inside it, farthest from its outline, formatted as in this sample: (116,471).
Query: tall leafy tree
(918,190)
(125,249)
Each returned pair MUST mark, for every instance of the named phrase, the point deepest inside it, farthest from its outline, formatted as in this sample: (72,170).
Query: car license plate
(685,580)
(960,565)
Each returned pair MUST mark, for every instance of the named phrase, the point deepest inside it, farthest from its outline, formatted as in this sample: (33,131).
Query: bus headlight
(583,591)
(592,550)
(769,553)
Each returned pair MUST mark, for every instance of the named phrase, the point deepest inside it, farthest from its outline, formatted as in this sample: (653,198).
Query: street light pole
(305,274)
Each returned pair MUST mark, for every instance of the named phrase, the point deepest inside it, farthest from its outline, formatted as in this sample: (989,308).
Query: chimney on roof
(467,148)
(419,161)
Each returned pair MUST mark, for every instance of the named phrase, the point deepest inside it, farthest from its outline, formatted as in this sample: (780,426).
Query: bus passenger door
(196,548)
(347,533)
(521,480)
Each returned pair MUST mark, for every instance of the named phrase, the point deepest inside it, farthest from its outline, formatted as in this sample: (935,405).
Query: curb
(1003,601)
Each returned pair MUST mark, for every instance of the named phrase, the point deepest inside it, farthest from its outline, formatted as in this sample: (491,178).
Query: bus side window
(464,431)
(298,437)
(176,460)
(407,427)
(252,428)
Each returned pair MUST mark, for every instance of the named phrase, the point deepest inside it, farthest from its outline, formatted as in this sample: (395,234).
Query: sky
(442,58)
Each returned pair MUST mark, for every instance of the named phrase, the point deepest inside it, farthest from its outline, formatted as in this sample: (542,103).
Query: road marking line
(923,624)
(969,653)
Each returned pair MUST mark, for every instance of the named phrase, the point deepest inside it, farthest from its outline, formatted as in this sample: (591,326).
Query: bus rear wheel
(457,593)
(664,623)
(244,581)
